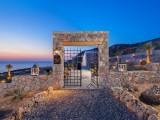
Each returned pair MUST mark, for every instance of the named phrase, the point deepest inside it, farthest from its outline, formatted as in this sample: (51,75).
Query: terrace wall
(144,112)
(27,83)
(42,82)
(116,79)
(122,82)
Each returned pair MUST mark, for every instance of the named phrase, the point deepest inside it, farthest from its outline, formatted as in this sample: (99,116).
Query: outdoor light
(127,60)
(133,55)
(57,57)
(117,56)
(3,81)
(35,70)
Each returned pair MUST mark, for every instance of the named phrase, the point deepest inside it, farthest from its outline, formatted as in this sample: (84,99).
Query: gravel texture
(81,104)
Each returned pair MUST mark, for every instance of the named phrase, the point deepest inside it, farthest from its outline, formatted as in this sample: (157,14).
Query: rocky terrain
(10,104)
(81,105)
(132,48)
(152,95)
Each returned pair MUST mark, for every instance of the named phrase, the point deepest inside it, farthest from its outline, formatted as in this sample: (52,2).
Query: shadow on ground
(3,113)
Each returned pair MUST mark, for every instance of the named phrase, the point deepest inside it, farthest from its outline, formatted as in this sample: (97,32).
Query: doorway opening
(81,66)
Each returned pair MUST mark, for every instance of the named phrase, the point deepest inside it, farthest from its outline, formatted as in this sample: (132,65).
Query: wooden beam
(81,43)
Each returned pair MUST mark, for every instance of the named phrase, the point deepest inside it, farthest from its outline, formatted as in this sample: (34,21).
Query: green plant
(117,55)
(18,93)
(47,71)
(130,66)
(136,68)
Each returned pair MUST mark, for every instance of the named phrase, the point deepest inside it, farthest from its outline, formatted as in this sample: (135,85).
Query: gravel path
(81,105)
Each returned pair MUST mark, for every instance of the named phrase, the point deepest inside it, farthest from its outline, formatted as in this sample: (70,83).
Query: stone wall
(143,111)
(153,66)
(137,77)
(27,83)
(27,105)
(99,39)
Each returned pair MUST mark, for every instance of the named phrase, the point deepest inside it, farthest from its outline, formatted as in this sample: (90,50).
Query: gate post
(103,61)
(58,72)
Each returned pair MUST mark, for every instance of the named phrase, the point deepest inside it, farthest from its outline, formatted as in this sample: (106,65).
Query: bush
(18,94)
(135,68)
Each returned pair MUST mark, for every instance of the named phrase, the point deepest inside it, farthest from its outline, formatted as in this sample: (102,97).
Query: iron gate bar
(71,61)
(81,67)
(94,70)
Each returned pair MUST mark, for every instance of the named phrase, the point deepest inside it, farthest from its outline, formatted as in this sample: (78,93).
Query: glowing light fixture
(35,69)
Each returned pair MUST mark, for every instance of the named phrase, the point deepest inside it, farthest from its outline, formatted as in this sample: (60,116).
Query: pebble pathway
(81,104)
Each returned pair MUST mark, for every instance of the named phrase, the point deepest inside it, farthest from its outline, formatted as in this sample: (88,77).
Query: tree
(9,67)
(118,54)
(149,48)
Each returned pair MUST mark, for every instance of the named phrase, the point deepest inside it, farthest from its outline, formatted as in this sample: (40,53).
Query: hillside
(132,48)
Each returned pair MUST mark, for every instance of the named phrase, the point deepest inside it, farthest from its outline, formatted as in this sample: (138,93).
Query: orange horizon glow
(24,56)
(22,47)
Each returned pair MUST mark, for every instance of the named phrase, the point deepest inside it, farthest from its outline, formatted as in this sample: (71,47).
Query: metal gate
(94,68)
(72,67)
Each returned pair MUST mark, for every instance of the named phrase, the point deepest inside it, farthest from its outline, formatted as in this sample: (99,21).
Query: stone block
(153,117)
(151,110)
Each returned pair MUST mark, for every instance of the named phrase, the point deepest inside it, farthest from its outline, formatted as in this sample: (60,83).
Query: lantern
(57,57)
(35,69)
(122,67)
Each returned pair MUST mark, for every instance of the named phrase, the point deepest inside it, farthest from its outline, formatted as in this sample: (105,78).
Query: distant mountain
(132,48)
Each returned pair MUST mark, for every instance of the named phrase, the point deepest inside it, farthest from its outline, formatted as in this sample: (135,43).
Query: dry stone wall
(118,79)
(27,105)
(143,112)
(27,83)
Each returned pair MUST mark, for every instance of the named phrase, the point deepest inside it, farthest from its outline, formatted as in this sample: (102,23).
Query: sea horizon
(22,64)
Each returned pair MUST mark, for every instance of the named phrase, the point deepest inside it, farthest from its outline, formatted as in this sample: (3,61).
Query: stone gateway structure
(61,39)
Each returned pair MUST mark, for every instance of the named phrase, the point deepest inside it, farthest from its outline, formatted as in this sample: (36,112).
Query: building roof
(35,66)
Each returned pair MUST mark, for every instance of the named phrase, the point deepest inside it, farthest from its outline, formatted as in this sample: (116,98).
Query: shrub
(135,68)
(18,93)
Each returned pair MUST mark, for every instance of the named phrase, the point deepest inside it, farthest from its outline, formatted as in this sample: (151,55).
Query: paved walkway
(81,105)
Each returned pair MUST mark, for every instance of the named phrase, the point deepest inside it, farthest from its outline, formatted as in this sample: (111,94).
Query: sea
(22,64)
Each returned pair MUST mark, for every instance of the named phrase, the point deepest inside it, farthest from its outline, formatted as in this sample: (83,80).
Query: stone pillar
(58,71)
(103,69)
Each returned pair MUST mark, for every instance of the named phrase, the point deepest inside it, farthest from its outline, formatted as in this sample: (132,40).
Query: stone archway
(100,39)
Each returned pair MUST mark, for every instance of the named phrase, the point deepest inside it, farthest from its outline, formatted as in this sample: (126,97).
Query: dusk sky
(26,26)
